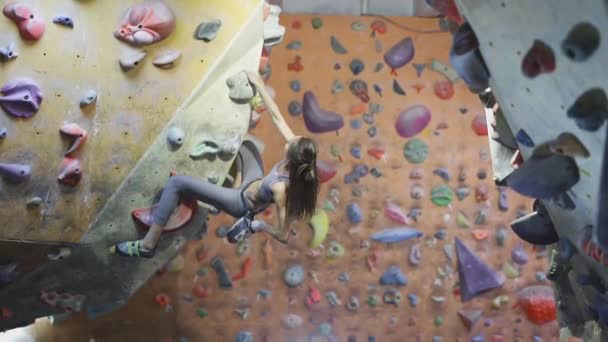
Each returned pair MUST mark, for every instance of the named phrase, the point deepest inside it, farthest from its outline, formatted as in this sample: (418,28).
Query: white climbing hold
(129,60)
(166,58)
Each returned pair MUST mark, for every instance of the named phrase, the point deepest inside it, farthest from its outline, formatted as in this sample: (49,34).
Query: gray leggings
(229,200)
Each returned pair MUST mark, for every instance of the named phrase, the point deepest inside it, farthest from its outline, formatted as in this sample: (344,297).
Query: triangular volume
(469,317)
(475,276)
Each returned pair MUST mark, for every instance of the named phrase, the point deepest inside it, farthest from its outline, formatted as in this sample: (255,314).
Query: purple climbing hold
(475,276)
(368,118)
(318,120)
(354,213)
(400,54)
(361,170)
(393,276)
(412,121)
(355,151)
(545,177)
(357,66)
(524,139)
(395,235)
(503,201)
(469,317)
(443,173)
(15,173)
(478,338)
(519,255)
(415,256)
(20,97)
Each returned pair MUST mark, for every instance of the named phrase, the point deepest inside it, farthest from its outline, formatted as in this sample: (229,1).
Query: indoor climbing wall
(411,240)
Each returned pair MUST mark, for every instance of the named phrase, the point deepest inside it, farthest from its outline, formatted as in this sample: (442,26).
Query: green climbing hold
(325,328)
(202,312)
(316,23)
(357,192)
(415,151)
(335,250)
(335,151)
(358,26)
(510,271)
(501,236)
(441,195)
(201,271)
(438,321)
(462,220)
(373,300)
(329,205)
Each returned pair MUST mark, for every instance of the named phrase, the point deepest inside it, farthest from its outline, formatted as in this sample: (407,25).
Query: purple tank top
(272,177)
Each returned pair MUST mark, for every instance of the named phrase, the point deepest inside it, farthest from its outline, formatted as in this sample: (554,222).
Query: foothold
(33,202)
(146,23)
(344,277)
(294,275)
(202,312)
(355,150)
(396,214)
(372,131)
(540,276)
(292,321)
(419,69)
(481,193)
(240,90)
(337,87)
(318,120)
(375,172)
(294,45)
(130,60)
(501,237)
(509,271)
(337,47)
(8,273)
(481,174)
(30,26)
(395,235)
(441,234)
(295,85)
(166,59)
(393,276)
(415,255)
(352,304)
(378,89)
(176,136)
(462,192)
(412,121)
(378,26)
(441,195)
(224,279)
(244,336)
(538,302)
(8,52)
(462,220)
(90,96)
(469,318)
(443,89)
(332,298)
(475,276)
(467,60)
(397,88)
(524,139)
(20,97)
(414,213)
(503,201)
(590,109)
(316,23)
(64,21)
(368,118)
(375,108)
(76,133)
(392,296)
(416,173)
(359,89)
(448,251)
(544,177)
(294,108)
(70,171)
(415,151)
(207,31)
(438,320)
(358,26)
(478,338)
(538,60)
(413,299)
(481,217)
(400,54)
(356,124)
(313,296)
(245,269)
(479,125)
(356,66)
(335,250)
(443,173)
(379,66)
(353,211)
(326,170)
(581,42)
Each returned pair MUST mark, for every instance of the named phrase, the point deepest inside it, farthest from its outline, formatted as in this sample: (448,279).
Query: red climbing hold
(538,60)
(70,171)
(296,25)
(479,125)
(200,291)
(245,268)
(201,253)
(376,151)
(326,170)
(181,216)
(538,302)
(296,65)
(313,297)
(162,299)
(378,26)
(444,89)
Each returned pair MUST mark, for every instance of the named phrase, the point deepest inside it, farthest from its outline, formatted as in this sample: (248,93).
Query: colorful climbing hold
(150,22)
(415,255)
(357,66)
(337,47)
(400,54)
(326,170)
(412,120)
(294,45)
(318,120)
(295,85)
(523,138)
(397,88)
(441,195)
(354,213)
(335,250)
(296,65)
(538,302)
(395,235)
(393,276)
(538,60)
(415,151)
(224,279)
(443,173)
(443,89)
(519,254)
(469,317)
(376,151)
(316,23)
(359,89)
(479,125)
(501,236)
(20,97)
(294,275)
(396,214)
(480,234)
(294,108)
(30,26)
(510,271)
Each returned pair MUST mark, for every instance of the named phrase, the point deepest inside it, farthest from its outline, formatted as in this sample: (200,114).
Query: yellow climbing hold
(320,226)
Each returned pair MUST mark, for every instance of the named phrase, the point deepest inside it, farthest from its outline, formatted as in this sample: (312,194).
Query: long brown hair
(303,186)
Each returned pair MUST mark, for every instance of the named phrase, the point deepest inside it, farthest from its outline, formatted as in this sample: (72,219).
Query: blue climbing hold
(294,108)
(537,339)
(356,123)
(354,213)
(244,336)
(395,235)
(361,170)
(478,338)
(294,45)
(294,275)
(441,234)
(356,66)
(350,178)
(443,173)
(566,250)
(355,151)
(413,299)
(393,276)
(523,138)
(437,339)
(378,89)
(295,85)
(368,118)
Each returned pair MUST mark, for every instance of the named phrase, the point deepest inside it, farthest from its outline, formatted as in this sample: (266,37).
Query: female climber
(292,185)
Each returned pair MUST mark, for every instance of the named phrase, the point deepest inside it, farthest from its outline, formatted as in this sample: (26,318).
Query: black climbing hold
(64,21)
(545,177)
(581,42)
(397,88)
(223,277)
(536,227)
(356,66)
(590,110)
(337,46)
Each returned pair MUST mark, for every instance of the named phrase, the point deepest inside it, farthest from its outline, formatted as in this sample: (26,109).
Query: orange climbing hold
(418,87)
(358,109)
(376,151)
(267,250)
(162,299)
(372,260)
(538,303)
(245,268)
(296,65)
(201,253)
(480,234)
(200,291)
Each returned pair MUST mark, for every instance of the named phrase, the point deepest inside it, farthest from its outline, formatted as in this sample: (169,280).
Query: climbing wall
(450,124)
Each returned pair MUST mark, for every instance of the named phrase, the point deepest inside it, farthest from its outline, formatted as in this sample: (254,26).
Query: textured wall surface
(452,145)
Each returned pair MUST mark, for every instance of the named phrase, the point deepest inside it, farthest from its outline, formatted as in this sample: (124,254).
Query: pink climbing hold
(181,216)
(479,125)
(30,26)
(326,170)
(444,89)
(146,23)
(75,132)
(412,121)
(395,213)
(70,171)
(20,97)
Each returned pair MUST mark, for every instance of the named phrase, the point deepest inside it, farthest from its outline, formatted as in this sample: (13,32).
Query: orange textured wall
(456,148)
